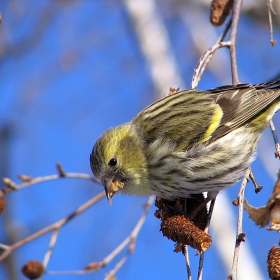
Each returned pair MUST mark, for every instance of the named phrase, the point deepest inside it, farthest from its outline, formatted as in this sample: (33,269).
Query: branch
(8,249)
(204,61)
(271,9)
(233,34)
(275,138)
(28,181)
(201,259)
(130,240)
(187,259)
(240,236)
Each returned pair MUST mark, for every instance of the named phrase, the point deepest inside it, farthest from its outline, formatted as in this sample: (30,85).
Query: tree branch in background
(234,27)
(271,9)
(28,181)
(8,249)
(130,240)
(239,235)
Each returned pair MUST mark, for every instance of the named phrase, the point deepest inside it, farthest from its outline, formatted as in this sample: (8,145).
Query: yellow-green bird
(186,143)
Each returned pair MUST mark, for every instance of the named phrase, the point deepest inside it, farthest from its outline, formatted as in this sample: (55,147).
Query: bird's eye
(112,162)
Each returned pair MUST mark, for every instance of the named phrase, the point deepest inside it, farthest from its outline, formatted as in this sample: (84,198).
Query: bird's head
(118,162)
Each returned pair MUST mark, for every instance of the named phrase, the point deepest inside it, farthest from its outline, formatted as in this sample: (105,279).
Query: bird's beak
(107,183)
(111,186)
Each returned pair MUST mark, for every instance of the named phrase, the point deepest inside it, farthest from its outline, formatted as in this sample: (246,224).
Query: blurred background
(71,69)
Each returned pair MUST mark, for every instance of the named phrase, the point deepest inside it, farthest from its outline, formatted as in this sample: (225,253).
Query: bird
(189,142)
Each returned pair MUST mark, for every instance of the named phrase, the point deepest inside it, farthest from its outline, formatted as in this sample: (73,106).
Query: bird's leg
(258,187)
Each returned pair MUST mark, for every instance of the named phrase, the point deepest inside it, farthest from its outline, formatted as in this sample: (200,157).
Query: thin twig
(270,9)
(258,187)
(239,233)
(129,240)
(223,35)
(200,266)
(54,226)
(209,57)
(13,186)
(204,60)
(28,180)
(270,3)
(69,272)
(188,264)
(275,138)
(201,258)
(116,268)
(234,26)
(51,246)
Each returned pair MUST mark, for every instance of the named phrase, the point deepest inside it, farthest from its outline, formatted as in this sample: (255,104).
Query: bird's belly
(204,168)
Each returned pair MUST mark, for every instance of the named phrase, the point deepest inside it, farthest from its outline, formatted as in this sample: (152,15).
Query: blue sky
(70,70)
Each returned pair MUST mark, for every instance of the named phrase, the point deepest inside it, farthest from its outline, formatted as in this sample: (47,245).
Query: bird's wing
(192,116)
(243,102)
(184,118)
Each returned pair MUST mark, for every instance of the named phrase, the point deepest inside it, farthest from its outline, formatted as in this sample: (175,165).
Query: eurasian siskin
(189,142)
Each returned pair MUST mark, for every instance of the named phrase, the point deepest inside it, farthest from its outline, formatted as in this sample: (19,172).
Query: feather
(192,116)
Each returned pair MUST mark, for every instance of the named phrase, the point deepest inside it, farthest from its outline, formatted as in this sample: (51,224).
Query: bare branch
(28,181)
(233,34)
(204,60)
(270,8)
(113,272)
(55,226)
(201,259)
(258,187)
(275,138)
(188,264)
(239,234)
(51,246)
(129,240)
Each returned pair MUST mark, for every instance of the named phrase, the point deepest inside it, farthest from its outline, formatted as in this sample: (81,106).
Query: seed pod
(32,269)
(181,230)
(273,263)
(2,204)
(219,11)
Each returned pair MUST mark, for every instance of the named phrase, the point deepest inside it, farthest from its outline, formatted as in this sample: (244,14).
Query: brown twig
(61,170)
(258,187)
